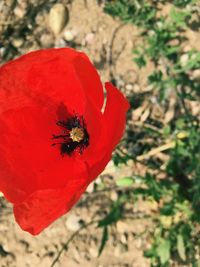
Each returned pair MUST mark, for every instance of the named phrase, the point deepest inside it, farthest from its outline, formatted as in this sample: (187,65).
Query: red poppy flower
(54,137)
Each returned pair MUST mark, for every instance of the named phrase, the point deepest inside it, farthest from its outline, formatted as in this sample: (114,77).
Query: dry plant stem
(156,150)
(159,149)
(110,56)
(66,245)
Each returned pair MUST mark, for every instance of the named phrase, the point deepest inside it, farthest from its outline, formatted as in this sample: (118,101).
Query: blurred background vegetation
(175,82)
(163,124)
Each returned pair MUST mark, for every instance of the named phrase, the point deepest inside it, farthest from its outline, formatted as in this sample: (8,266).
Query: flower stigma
(74,136)
(77,134)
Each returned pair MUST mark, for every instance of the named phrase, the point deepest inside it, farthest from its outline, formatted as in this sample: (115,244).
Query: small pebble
(196,75)
(90,188)
(93,252)
(17,42)
(73,222)
(113,196)
(184,59)
(59,43)
(58,18)
(19,12)
(129,87)
(136,88)
(68,36)
(90,37)
(47,40)
(187,48)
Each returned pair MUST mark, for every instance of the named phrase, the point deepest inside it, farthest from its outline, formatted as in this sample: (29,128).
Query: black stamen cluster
(68,146)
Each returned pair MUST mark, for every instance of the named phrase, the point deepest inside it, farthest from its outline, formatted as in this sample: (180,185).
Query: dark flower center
(74,135)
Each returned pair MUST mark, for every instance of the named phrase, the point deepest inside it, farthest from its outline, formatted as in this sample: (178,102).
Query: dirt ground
(24,26)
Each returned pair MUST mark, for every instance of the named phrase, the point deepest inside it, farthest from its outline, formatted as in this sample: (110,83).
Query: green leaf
(163,251)
(140,61)
(126,181)
(181,247)
(104,240)
(179,17)
(112,217)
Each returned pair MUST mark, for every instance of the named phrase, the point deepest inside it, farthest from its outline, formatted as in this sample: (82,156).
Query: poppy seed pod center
(77,134)
(74,135)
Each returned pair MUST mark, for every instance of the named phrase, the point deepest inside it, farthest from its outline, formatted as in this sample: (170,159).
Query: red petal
(110,130)
(62,74)
(43,207)
(28,160)
(115,114)
(89,80)
(32,90)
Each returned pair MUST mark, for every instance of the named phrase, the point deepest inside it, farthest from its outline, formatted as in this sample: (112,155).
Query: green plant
(178,194)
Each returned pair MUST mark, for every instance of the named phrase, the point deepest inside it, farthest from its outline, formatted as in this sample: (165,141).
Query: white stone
(47,40)
(196,74)
(129,87)
(19,12)
(73,222)
(184,59)
(57,18)
(90,37)
(68,36)
(17,42)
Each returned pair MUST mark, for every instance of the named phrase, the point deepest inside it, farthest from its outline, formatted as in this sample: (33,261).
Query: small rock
(174,42)
(93,252)
(129,87)
(98,181)
(151,32)
(73,222)
(136,88)
(124,239)
(58,18)
(90,188)
(90,37)
(138,243)
(120,83)
(68,36)
(59,43)
(196,75)
(19,12)
(113,196)
(184,59)
(2,51)
(47,40)
(17,42)
(187,48)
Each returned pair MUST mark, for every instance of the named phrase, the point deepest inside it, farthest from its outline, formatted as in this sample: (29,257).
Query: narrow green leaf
(104,240)
(163,251)
(113,216)
(126,181)
(181,247)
